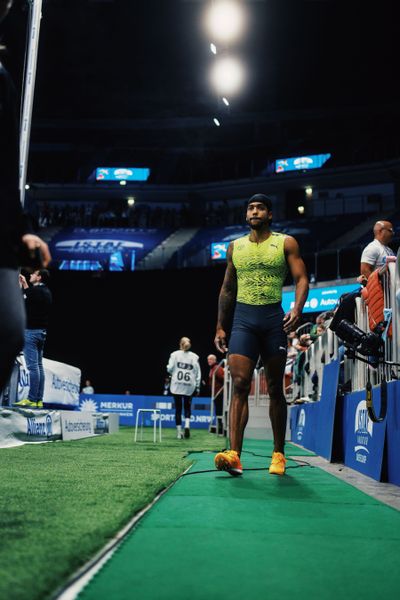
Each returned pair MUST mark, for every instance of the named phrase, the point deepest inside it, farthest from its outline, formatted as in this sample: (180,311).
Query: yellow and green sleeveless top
(261,269)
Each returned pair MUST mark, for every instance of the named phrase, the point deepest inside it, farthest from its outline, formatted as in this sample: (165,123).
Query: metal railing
(355,372)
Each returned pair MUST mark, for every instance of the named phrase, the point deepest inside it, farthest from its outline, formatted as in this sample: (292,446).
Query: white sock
(187,423)
(179,429)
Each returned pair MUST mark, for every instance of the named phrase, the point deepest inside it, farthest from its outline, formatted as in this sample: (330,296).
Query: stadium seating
(313,235)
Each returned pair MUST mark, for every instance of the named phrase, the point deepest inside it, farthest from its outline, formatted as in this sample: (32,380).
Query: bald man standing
(374,255)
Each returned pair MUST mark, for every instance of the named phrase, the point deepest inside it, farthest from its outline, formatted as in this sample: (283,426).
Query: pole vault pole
(28,92)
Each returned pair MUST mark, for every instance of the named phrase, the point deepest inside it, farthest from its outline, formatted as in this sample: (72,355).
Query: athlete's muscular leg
(274,372)
(241,368)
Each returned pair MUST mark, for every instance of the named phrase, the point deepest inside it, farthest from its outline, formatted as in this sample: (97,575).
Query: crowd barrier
(368,446)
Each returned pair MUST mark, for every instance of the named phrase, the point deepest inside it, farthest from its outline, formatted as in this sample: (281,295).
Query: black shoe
(187,432)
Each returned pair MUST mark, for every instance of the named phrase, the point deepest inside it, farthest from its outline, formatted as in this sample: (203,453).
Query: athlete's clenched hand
(291,321)
(220,341)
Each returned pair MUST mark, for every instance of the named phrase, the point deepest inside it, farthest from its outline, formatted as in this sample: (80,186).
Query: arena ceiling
(123,82)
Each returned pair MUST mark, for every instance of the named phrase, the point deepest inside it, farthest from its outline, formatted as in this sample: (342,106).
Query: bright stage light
(225,20)
(122,182)
(216,122)
(227,75)
(213,48)
(309,192)
(300,210)
(131,201)
(225,101)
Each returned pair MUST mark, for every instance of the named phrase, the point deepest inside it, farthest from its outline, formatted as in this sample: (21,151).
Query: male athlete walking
(257,265)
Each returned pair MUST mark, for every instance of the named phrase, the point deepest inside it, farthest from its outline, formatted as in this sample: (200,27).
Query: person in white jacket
(184,369)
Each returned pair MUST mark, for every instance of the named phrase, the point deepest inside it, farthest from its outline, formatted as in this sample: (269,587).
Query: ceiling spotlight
(213,48)
(225,20)
(131,201)
(227,75)
(225,101)
(300,210)
(309,191)
(27,186)
(122,182)
(217,123)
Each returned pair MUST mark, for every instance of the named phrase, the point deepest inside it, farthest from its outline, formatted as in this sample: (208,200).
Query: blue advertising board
(393,432)
(123,405)
(219,250)
(327,406)
(301,163)
(364,440)
(103,248)
(304,424)
(122,174)
(319,299)
(127,405)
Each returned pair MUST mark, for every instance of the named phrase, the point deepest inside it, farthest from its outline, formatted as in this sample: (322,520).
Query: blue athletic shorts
(258,331)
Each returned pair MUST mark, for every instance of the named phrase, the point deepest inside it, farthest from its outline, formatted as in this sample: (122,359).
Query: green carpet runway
(211,536)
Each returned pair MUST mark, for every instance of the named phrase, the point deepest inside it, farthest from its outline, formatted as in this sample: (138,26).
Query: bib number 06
(183,376)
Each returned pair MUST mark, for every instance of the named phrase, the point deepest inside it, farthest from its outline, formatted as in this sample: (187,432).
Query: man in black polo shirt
(38,302)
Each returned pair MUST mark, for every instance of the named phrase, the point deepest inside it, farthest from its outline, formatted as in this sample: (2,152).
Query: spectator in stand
(18,245)
(88,388)
(375,253)
(38,301)
(184,368)
(306,339)
(295,340)
(216,372)
(301,347)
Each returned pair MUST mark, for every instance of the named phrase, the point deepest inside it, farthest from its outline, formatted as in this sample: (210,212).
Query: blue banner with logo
(319,299)
(327,406)
(301,163)
(122,173)
(103,248)
(364,440)
(312,423)
(304,424)
(393,432)
(124,406)
(127,405)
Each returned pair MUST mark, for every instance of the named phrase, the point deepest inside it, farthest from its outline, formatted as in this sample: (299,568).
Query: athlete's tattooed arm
(226,302)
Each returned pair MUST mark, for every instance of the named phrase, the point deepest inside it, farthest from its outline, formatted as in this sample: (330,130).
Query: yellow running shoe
(278,464)
(25,403)
(229,461)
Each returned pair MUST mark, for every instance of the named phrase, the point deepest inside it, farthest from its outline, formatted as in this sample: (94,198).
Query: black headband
(261,198)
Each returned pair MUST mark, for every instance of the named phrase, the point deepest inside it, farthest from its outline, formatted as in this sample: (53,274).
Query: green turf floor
(61,502)
(305,535)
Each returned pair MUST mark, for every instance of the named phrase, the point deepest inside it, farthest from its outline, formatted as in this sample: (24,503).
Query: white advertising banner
(61,384)
(23,379)
(23,426)
(77,425)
